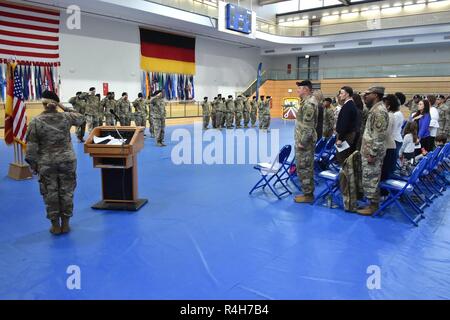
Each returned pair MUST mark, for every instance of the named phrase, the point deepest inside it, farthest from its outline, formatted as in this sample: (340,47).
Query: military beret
(417,96)
(91,88)
(262,97)
(50,95)
(79,92)
(140,95)
(328,99)
(440,96)
(304,83)
(205,98)
(379,90)
(230,96)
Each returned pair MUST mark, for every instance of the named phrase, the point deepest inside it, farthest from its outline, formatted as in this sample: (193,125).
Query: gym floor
(201,236)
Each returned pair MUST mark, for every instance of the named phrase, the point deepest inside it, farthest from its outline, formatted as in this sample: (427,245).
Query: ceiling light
(305,17)
(344,11)
(335,12)
(314,17)
(397,4)
(325,14)
(408,3)
(384,6)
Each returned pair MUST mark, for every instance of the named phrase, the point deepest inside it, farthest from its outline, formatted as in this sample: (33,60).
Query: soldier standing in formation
(253,111)
(124,108)
(158,108)
(151,127)
(305,141)
(229,109)
(239,109)
(79,104)
(206,110)
(373,147)
(50,154)
(101,114)
(246,111)
(140,112)
(261,111)
(108,103)
(328,119)
(220,114)
(214,112)
(92,109)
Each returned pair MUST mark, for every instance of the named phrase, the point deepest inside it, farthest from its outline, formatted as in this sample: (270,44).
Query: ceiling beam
(346,2)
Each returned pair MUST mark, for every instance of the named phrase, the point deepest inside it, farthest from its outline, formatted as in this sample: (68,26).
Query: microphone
(115,115)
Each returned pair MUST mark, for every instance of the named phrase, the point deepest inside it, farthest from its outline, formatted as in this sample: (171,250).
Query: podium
(118,164)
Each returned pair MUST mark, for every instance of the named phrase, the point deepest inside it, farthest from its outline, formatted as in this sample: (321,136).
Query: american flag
(29,33)
(19,117)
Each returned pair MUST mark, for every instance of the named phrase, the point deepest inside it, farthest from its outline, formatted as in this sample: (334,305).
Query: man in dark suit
(346,125)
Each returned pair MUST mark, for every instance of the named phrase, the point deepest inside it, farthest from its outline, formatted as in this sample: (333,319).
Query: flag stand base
(19,171)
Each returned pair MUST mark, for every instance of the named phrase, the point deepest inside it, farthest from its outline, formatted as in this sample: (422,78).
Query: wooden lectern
(119,167)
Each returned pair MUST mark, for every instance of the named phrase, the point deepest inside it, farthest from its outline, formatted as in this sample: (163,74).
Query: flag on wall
(15,115)
(29,33)
(167,53)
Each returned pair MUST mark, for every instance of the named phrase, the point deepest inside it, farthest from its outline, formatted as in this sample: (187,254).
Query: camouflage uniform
(374,145)
(229,104)
(239,108)
(414,107)
(79,105)
(220,114)
(328,122)
(265,115)
(350,181)
(214,113)
(253,111)
(93,112)
(151,127)
(223,105)
(246,112)
(206,107)
(306,135)
(140,114)
(106,105)
(124,108)
(50,152)
(444,120)
(159,118)
(260,113)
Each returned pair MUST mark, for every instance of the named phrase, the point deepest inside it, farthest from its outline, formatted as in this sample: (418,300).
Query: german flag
(167,53)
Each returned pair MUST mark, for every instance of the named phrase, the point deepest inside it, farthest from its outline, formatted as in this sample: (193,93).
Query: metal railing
(206,8)
(355,26)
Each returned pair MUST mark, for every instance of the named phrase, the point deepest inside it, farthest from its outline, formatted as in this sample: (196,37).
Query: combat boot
(306,198)
(65,227)
(56,228)
(369,210)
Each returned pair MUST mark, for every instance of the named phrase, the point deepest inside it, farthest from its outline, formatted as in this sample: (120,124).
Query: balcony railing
(436,69)
(413,20)
(203,7)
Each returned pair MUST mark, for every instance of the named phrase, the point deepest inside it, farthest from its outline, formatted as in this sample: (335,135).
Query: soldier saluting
(50,154)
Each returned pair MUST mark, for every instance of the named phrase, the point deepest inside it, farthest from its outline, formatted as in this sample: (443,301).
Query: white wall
(107,50)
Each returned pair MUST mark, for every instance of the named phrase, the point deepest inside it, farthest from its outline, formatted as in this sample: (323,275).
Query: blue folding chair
(331,179)
(270,171)
(289,173)
(398,189)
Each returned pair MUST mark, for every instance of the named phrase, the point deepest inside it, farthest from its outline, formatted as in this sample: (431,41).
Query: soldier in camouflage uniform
(106,105)
(206,110)
(151,127)
(229,110)
(159,117)
(79,104)
(221,105)
(92,109)
(253,111)
(261,111)
(239,109)
(50,154)
(246,111)
(220,112)
(101,113)
(266,113)
(444,116)
(373,147)
(328,118)
(414,104)
(140,112)
(124,110)
(305,140)
(214,112)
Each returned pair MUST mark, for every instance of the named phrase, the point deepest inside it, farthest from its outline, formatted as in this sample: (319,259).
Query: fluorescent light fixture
(307,56)
(325,14)
(305,17)
(431,0)
(355,10)
(344,11)
(408,3)
(281,20)
(335,13)
(392,76)
(374,8)
(397,4)
(364,9)
(314,17)
(420,1)
(384,6)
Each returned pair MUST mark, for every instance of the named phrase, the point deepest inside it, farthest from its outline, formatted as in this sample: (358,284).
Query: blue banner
(258,80)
